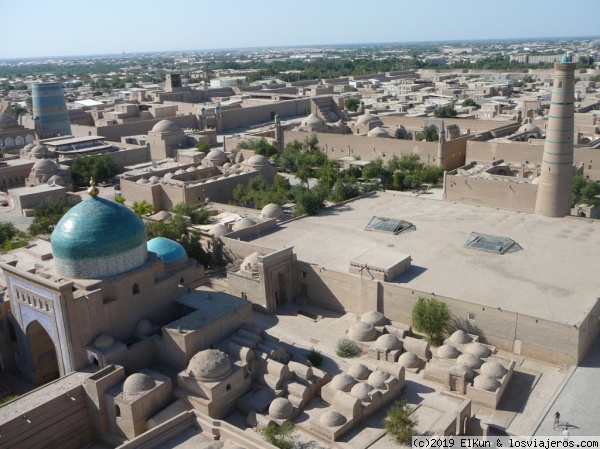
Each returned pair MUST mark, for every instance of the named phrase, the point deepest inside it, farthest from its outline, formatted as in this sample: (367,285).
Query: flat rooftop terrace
(41,395)
(552,277)
(209,305)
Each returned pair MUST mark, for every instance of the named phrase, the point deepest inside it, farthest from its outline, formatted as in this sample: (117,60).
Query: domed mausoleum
(98,238)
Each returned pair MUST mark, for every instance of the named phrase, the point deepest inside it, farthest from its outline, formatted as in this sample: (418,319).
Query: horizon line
(222,49)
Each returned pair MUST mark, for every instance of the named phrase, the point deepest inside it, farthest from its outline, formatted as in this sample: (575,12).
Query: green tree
(259,146)
(352,104)
(202,147)
(431,317)
(288,159)
(411,181)
(142,207)
(400,422)
(373,169)
(198,215)
(258,193)
(7,231)
(280,436)
(18,110)
(46,216)
(590,192)
(314,158)
(176,229)
(311,143)
(398,181)
(120,199)
(100,168)
(469,102)
(445,112)
(171,229)
(528,79)
(411,163)
(296,154)
(11,237)
(394,163)
(303,174)
(344,189)
(308,201)
(430,134)
(264,148)
(432,174)
(327,174)
(282,184)
(584,191)
(352,172)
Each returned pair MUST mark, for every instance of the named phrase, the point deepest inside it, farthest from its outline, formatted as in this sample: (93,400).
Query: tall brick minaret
(554,190)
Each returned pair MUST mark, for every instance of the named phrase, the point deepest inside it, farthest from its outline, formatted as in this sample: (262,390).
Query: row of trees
(403,173)
(306,161)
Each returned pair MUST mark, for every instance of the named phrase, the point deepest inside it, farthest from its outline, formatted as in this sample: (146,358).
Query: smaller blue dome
(168,250)
(565,58)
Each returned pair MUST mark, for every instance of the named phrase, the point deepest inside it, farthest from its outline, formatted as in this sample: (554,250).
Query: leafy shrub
(347,348)
(315,357)
(280,436)
(400,422)
(432,317)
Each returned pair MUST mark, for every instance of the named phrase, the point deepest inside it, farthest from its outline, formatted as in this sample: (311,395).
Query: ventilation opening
(492,243)
(390,225)
(136,289)
(117,411)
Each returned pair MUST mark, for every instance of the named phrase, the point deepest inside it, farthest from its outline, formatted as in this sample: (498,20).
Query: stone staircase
(326,108)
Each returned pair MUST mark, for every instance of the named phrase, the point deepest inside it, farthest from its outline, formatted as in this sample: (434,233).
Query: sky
(38,28)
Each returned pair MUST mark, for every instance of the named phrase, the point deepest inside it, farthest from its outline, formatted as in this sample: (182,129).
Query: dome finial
(93,190)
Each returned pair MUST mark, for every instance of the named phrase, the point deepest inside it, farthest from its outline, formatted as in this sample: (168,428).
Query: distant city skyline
(61,28)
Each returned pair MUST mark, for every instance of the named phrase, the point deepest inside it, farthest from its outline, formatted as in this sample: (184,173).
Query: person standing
(556,419)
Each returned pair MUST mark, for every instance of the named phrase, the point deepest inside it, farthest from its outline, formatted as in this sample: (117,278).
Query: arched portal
(43,354)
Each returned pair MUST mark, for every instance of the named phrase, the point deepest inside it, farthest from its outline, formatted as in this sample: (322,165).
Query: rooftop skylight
(492,243)
(391,225)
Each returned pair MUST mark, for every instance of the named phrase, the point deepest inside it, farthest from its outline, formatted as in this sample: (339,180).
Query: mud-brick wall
(59,423)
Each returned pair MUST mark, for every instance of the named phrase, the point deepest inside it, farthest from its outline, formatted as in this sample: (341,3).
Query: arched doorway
(43,354)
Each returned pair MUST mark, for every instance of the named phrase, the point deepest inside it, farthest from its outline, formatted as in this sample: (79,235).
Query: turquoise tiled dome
(168,250)
(98,238)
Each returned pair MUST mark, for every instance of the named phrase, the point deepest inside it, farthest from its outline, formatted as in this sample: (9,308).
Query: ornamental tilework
(103,267)
(48,322)
(48,101)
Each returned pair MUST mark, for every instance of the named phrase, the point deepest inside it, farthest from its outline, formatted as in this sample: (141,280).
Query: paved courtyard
(579,401)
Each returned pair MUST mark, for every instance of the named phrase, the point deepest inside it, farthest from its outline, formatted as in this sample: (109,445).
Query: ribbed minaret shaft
(554,191)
